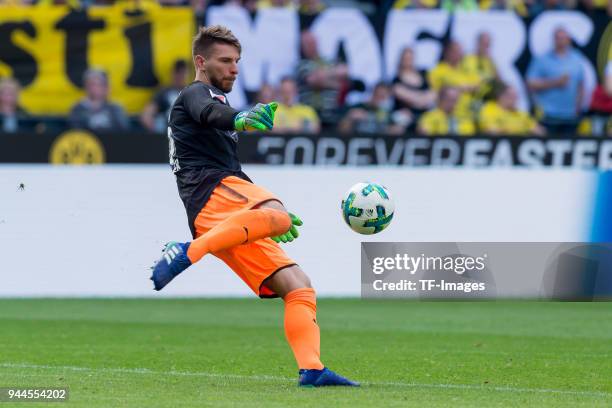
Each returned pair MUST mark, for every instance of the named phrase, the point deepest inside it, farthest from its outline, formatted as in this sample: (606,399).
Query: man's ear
(200,63)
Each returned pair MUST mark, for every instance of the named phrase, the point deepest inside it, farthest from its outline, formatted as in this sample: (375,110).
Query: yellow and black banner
(48,48)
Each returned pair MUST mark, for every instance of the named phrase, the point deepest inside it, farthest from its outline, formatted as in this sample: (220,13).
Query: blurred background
(488,120)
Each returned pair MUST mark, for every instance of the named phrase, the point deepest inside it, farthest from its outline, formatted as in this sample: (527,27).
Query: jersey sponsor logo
(220,98)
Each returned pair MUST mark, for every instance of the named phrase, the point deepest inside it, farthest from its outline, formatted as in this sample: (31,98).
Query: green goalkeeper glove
(259,117)
(292,233)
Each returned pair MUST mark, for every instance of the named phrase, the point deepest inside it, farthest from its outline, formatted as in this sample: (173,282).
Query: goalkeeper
(229,216)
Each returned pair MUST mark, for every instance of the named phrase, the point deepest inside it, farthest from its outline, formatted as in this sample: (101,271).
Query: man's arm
(147,117)
(542,84)
(537,80)
(209,111)
(218,115)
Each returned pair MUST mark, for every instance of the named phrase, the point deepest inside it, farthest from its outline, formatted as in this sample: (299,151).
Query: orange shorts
(254,262)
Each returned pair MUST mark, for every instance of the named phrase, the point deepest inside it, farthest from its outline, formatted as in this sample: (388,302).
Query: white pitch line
(287,380)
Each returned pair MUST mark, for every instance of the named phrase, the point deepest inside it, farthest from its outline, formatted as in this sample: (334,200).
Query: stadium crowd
(524,8)
(462,95)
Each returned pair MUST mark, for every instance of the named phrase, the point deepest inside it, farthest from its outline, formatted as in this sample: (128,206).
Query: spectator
(264,4)
(12,117)
(599,121)
(518,6)
(598,5)
(451,73)
(292,116)
(94,111)
(444,120)
(459,5)
(415,4)
(154,117)
(199,7)
(501,117)
(538,6)
(308,11)
(556,81)
(320,81)
(410,86)
(482,65)
(266,94)
(375,116)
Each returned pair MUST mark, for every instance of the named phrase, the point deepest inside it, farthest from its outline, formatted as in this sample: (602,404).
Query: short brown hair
(208,36)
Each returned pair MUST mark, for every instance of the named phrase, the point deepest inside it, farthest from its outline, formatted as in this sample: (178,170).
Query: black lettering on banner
(77,26)
(141,49)
(23,65)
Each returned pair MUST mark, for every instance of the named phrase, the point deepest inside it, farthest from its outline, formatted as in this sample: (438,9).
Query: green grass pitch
(232,352)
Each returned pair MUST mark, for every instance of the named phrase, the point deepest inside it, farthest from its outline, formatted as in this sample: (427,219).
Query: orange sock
(241,228)
(301,327)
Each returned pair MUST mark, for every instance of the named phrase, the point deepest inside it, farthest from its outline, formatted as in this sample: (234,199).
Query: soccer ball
(367,208)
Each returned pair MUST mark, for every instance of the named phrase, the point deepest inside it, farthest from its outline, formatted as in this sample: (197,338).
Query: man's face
(265,94)
(96,88)
(562,39)
(288,92)
(380,95)
(508,98)
(179,78)
(8,95)
(484,42)
(454,53)
(220,66)
(449,100)
(309,45)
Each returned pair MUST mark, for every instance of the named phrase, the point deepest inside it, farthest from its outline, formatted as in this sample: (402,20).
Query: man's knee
(280,220)
(273,204)
(287,280)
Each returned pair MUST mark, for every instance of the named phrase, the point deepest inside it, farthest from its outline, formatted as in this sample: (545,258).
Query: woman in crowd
(410,88)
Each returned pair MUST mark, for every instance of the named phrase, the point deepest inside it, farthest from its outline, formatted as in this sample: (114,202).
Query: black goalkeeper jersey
(203,145)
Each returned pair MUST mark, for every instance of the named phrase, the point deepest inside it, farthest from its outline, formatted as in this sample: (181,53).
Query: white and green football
(368,208)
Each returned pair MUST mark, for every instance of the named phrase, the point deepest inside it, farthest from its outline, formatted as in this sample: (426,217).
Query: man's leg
(241,228)
(301,328)
(225,222)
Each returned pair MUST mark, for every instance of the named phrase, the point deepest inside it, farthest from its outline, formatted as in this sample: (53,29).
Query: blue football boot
(323,378)
(173,261)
